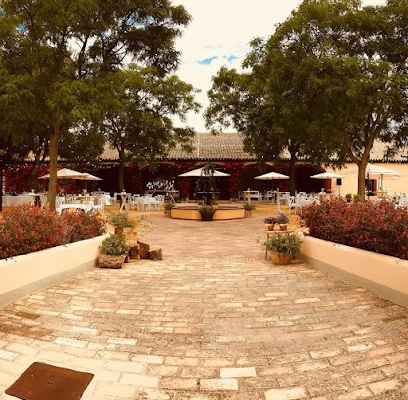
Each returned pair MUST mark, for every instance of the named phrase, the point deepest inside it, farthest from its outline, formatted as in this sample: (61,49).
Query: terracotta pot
(270,227)
(280,258)
(248,213)
(207,216)
(283,227)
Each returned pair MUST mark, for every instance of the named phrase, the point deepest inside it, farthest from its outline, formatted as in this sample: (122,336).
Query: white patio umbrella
(66,173)
(90,177)
(199,172)
(272,176)
(327,175)
(373,169)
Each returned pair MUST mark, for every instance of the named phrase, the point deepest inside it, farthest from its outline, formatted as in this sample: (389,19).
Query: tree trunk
(361,178)
(53,164)
(292,175)
(121,174)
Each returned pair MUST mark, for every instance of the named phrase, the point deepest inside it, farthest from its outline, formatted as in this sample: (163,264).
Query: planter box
(383,275)
(22,275)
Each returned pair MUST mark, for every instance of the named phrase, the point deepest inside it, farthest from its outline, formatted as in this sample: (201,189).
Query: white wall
(391,184)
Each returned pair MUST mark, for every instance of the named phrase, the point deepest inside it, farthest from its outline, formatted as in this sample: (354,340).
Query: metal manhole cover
(42,381)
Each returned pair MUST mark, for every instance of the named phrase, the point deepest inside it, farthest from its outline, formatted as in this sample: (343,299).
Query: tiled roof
(225,146)
(379,149)
(229,146)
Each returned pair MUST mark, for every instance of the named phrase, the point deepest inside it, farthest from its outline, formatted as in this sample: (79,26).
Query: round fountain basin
(224,212)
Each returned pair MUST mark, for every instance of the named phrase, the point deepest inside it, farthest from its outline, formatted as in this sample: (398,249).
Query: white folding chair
(100,204)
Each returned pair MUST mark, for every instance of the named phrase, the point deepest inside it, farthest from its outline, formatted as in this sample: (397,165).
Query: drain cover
(42,381)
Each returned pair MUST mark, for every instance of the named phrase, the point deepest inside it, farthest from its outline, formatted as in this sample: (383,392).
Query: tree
(53,52)
(361,89)
(138,117)
(324,86)
(271,108)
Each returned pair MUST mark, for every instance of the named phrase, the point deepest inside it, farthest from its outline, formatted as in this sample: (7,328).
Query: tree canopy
(137,118)
(54,52)
(329,82)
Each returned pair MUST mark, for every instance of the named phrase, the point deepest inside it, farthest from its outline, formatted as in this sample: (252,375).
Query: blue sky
(219,35)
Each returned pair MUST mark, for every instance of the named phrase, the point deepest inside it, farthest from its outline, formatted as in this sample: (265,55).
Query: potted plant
(114,250)
(283,221)
(270,223)
(283,247)
(120,220)
(348,197)
(249,207)
(357,198)
(207,212)
(167,208)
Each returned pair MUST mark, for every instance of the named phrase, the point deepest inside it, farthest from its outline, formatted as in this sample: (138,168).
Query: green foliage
(329,82)
(50,87)
(207,209)
(168,206)
(282,218)
(115,245)
(120,219)
(288,243)
(374,226)
(249,206)
(137,116)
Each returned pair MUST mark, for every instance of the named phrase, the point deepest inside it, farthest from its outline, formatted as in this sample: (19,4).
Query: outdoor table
(78,206)
(172,194)
(124,205)
(18,200)
(252,194)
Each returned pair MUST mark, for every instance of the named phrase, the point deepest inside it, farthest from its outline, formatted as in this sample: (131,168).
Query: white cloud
(221,30)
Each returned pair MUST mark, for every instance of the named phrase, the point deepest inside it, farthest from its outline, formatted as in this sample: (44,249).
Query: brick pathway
(214,320)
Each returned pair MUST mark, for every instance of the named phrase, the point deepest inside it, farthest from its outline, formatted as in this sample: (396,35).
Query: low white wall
(22,275)
(383,275)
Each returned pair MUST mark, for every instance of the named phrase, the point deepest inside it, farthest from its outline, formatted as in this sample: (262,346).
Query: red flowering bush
(374,226)
(26,229)
(81,225)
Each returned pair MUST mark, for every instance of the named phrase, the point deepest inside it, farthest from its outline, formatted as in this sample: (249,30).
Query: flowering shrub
(282,218)
(374,226)
(270,220)
(81,225)
(26,229)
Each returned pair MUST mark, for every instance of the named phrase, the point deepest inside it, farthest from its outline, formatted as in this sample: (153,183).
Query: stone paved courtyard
(214,320)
